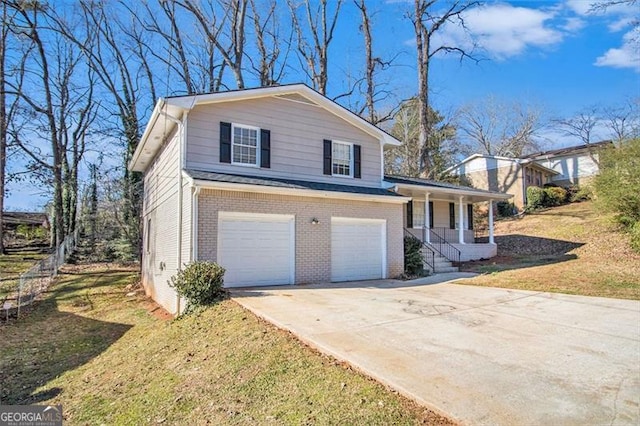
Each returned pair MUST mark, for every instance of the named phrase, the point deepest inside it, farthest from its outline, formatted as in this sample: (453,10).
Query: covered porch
(441,215)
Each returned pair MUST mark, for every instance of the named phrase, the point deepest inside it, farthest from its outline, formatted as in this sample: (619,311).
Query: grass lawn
(12,265)
(112,357)
(569,249)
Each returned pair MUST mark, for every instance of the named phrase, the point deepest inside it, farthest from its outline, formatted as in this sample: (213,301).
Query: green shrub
(506,209)
(412,257)
(617,187)
(200,283)
(554,196)
(536,198)
(577,194)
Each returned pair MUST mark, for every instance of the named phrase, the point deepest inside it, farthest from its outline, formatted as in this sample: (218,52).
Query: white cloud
(626,56)
(574,24)
(621,24)
(581,7)
(504,30)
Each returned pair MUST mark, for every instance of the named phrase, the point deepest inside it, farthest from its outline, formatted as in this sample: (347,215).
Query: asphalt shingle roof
(431,183)
(288,183)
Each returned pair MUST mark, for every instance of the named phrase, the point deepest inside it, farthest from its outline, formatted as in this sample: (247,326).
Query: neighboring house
(503,174)
(11,220)
(281,185)
(574,165)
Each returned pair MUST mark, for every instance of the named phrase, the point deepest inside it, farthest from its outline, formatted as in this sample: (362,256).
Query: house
(503,174)
(574,165)
(281,185)
(11,220)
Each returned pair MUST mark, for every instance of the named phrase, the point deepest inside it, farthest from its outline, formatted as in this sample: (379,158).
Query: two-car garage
(259,249)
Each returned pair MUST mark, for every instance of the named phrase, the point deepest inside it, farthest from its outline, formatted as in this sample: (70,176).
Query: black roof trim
(569,149)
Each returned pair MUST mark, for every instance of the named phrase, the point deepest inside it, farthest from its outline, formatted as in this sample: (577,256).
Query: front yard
(97,346)
(569,249)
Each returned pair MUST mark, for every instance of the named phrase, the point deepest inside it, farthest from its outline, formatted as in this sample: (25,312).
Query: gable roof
(519,161)
(168,112)
(571,149)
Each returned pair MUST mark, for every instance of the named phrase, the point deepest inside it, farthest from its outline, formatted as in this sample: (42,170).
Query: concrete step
(447,269)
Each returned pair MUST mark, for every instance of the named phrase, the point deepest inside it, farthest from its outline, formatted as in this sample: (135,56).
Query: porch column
(460,221)
(427,219)
(491,222)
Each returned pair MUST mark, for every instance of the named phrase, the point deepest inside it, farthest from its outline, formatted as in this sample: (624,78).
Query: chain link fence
(37,279)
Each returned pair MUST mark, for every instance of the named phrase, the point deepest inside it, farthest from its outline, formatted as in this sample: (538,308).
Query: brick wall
(313,242)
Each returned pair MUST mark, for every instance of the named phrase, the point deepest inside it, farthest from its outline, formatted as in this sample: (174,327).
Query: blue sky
(552,53)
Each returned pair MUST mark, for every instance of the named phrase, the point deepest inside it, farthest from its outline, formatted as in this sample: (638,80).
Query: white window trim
(258,144)
(351,160)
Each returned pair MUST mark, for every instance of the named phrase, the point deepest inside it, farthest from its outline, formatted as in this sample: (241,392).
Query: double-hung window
(245,144)
(342,159)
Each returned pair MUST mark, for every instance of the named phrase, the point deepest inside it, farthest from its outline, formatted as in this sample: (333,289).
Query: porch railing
(428,253)
(438,240)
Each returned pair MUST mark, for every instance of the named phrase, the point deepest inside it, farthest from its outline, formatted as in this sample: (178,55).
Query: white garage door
(358,249)
(256,249)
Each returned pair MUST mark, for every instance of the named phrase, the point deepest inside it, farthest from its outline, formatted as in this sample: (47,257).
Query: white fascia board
(241,187)
(145,135)
(469,192)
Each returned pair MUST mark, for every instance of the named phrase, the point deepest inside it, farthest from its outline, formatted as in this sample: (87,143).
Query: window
(341,159)
(418,214)
(245,145)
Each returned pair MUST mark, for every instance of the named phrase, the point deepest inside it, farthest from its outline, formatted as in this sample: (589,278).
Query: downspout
(181,139)
(194,223)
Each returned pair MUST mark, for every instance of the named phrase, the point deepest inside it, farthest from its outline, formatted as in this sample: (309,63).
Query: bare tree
(171,48)
(373,93)
(313,53)
(429,18)
(266,29)
(4,118)
(106,52)
(623,121)
(48,103)
(495,127)
(235,14)
(581,126)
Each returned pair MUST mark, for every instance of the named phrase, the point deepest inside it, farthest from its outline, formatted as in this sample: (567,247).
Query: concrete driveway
(479,355)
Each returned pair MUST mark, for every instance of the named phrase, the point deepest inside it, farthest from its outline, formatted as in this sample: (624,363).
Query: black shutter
(452,216)
(225,142)
(357,172)
(410,214)
(470,216)
(430,214)
(265,148)
(327,157)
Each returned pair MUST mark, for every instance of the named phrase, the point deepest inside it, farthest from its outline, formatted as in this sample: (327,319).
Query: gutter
(242,187)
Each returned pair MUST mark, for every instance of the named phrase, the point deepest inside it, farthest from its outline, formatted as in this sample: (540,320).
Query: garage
(256,249)
(358,249)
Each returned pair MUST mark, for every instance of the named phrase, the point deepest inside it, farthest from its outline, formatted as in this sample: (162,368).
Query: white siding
(482,163)
(572,168)
(297,134)
(160,259)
